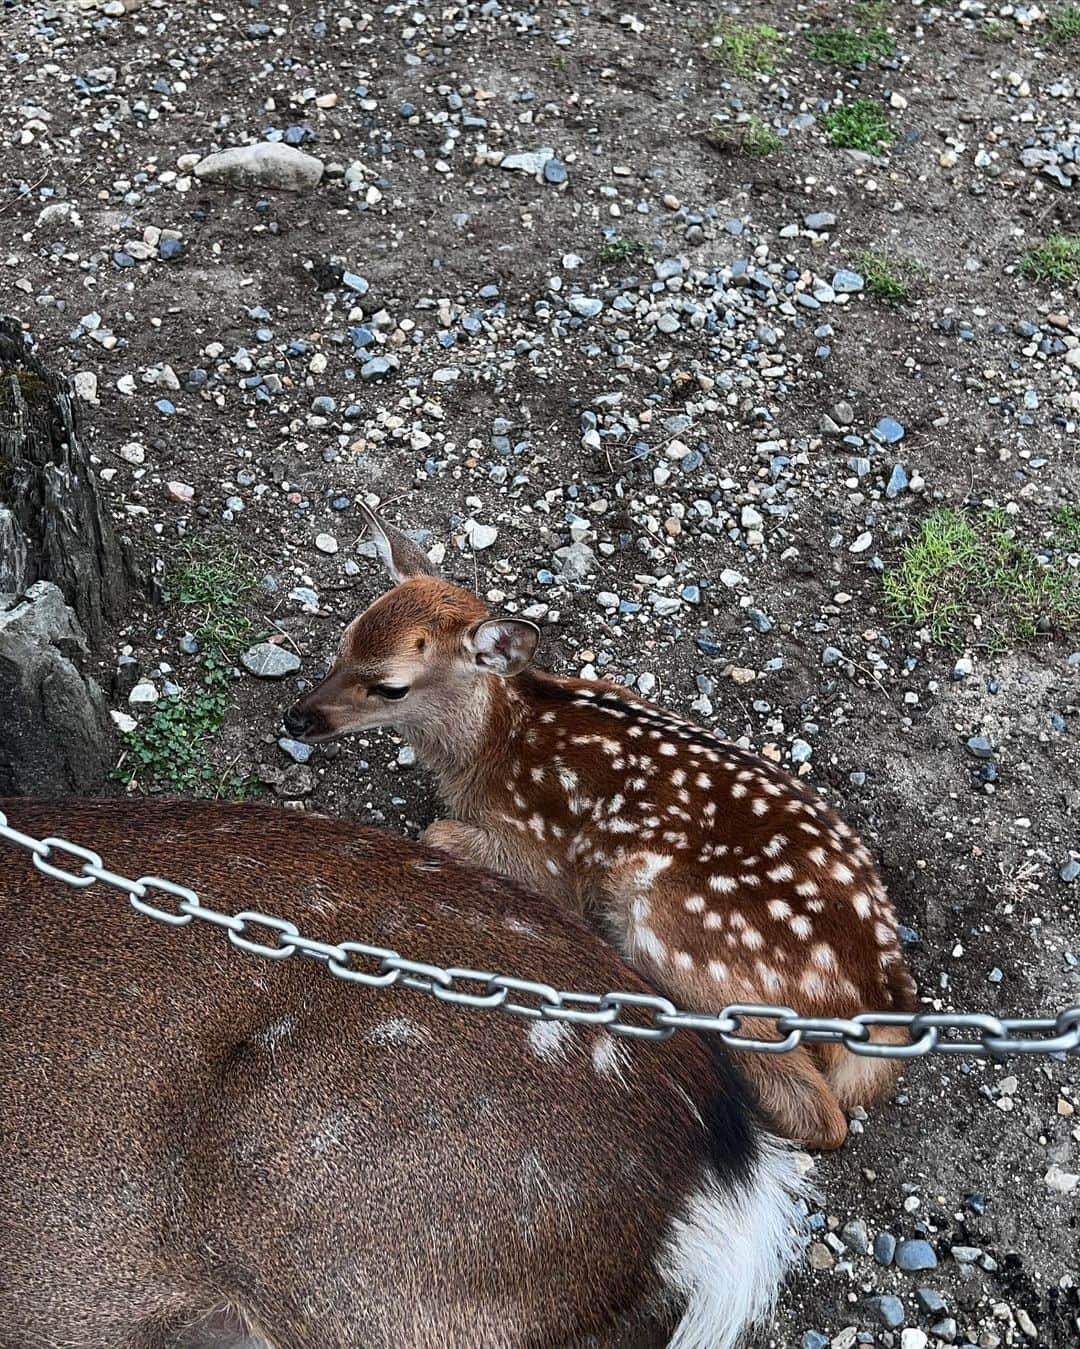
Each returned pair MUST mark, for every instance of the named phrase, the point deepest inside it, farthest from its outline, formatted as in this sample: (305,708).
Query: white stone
(480,536)
(143,694)
(326,543)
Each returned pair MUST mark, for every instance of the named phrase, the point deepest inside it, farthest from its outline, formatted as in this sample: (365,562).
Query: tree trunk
(63,574)
(52,524)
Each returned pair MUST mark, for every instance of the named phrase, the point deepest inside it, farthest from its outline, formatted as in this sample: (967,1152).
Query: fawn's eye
(391,691)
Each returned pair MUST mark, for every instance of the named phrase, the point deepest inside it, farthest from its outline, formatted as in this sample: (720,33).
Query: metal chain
(653,1017)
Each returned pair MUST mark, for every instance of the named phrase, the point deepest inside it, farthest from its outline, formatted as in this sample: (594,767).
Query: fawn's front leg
(466,842)
(508,856)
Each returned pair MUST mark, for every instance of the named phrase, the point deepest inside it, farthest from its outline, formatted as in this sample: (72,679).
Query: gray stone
(296,749)
(846,282)
(819,220)
(930,1300)
(576,560)
(1070,871)
(890,1310)
(853,1234)
(269,165)
(531,161)
(585,306)
(266,660)
(914,1255)
(54,736)
(884,1248)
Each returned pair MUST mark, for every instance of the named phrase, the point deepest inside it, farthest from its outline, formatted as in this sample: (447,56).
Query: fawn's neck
(467,747)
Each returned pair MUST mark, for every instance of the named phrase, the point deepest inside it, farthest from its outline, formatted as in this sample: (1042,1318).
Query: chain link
(634,1016)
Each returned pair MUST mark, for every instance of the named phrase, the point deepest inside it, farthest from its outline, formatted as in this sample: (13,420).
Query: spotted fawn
(716,874)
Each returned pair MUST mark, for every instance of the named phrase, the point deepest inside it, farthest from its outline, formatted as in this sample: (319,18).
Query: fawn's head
(414,657)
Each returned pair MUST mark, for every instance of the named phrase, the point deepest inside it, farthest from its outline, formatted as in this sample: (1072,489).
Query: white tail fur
(729,1254)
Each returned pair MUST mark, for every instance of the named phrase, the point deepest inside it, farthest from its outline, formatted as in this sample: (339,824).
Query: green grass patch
(972,581)
(850,48)
(613,252)
(752,137)
(168,752)
(216,585)
(746,48)
(993,30)
(859,125)
(1065,23)
(1067,520)
(887,277)
(1055,259)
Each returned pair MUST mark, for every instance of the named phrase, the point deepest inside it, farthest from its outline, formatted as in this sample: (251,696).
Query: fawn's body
(204,1150)
(716,873)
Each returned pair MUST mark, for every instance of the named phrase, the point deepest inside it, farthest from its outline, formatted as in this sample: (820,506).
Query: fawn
(202,1150)
(717,874)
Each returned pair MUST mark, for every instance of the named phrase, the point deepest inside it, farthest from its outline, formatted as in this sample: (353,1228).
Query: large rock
(54,733)
(270,165)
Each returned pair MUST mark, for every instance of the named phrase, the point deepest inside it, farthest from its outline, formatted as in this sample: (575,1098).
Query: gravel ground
(637,383)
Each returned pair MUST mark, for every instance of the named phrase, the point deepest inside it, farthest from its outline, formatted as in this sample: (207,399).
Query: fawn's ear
(399,555)
(503,646)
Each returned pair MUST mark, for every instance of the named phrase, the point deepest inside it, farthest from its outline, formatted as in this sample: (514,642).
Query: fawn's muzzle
(297,721)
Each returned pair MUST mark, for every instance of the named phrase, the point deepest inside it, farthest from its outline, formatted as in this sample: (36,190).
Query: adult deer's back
(207,1151)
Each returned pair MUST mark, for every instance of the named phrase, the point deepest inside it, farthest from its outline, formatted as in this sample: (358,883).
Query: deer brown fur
(716,873)
(204,1150)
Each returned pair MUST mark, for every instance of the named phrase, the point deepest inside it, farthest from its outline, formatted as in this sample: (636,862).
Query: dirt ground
(405,331)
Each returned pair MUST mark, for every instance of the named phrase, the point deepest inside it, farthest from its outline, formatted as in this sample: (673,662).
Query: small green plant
(972,581)
(848,49)
(859,125)
(1067,520)
(885,275)
(613,252)
(996,31)
(217,585)
(751,137)
(169,751)
(1055,259)
(1065,23)
(747,48)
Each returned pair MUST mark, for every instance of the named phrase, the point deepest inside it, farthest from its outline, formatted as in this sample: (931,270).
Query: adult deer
(715,872)
(202,1150)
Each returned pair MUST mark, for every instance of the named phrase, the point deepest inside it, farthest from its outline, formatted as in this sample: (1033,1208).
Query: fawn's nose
(296,721)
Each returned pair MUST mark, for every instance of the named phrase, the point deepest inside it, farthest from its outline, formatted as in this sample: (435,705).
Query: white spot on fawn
(724,885)
(781,873)
(610,1058)
(547,1039)
(801,926)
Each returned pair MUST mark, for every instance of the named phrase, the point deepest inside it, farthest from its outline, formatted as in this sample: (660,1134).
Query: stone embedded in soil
(930,1300)
(914,1255)
(326,543)
(266,166)
(884,1248)
(267,660)
(1070,870)
(296,749)
(980,747)
(846,282)
(890,1311)
(531,161)
(143,694)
